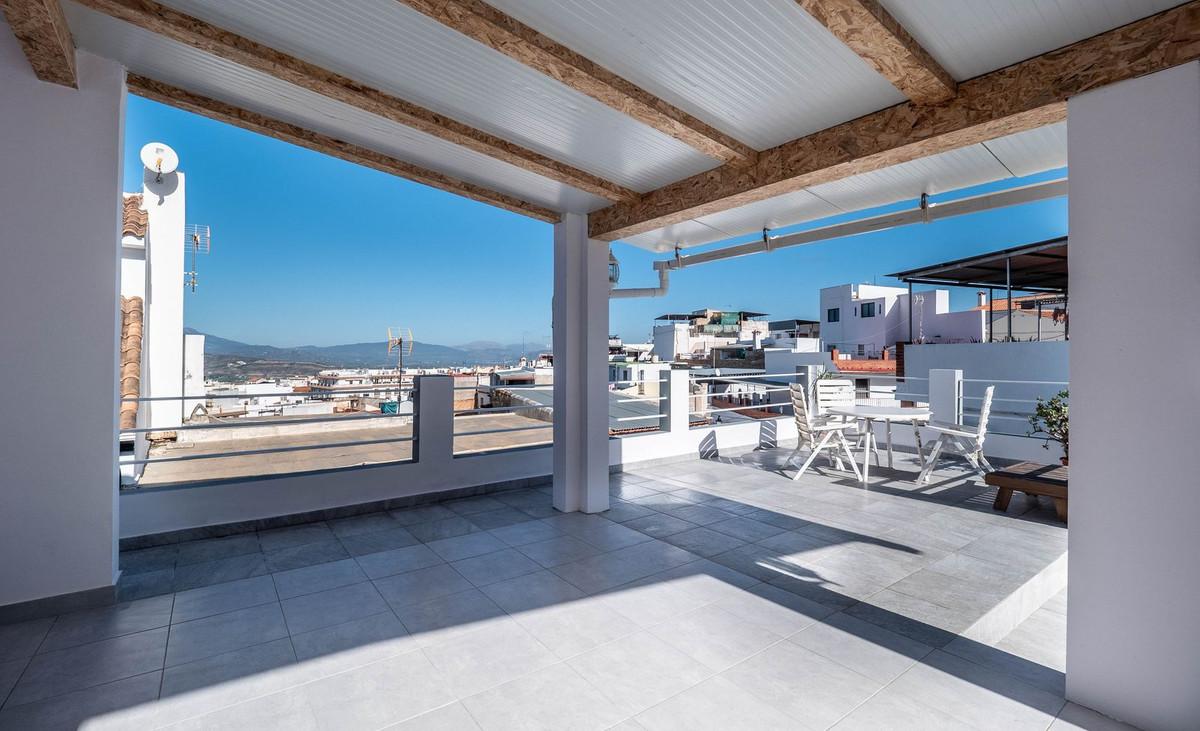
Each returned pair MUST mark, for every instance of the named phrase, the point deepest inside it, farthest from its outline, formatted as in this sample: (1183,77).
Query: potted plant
(1050,420)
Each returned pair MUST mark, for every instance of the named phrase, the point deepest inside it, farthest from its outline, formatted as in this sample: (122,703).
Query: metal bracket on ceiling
(678,256)
(766,239)
(925,206)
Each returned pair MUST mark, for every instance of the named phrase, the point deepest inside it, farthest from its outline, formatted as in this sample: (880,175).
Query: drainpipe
(664,272)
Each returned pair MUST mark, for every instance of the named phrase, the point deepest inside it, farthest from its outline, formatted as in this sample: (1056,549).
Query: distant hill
(364,355)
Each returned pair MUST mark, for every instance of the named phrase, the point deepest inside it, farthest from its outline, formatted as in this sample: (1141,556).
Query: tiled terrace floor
(714,594)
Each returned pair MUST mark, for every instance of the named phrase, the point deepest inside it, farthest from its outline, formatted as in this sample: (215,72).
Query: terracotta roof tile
(133,217)
(131,359)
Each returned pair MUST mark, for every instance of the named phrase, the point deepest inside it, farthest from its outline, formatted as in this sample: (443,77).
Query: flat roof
(1037,267)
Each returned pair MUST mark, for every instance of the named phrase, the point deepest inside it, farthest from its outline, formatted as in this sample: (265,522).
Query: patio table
(914,415)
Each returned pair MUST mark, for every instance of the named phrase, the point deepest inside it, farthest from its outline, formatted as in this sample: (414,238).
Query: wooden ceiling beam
(42,31)
(870,31)
(287,132)
(1020,97)
(157,18)
(502,33)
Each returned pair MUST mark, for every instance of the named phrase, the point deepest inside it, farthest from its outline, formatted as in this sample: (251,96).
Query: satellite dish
(159,159)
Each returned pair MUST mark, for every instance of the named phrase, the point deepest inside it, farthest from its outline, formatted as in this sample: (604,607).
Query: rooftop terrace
(712,594)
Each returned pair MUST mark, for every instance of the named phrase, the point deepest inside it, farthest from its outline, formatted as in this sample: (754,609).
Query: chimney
(833,354)
(757,340)
(885,356)
(982,298)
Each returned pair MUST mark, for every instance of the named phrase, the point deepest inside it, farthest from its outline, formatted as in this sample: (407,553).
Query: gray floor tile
(559,550)
(398,561)
(149,559)
(355,643)
(379,694)
(499,518)
(9,673)
(211,549)
(448,616)
(312,579)
(436,530)
(522,534)
(453,717)
(715,704)
(1034,673)
(63,671)
(774,609)
(621,511)
(638,671)
(699,514)
(332,606)
(897,712)
(497,653)
(358,524)
(286,710)
(863,647)
(714,637)
(704,541)
(475,544)
(102,623)
(977,696)
(223,633)
(812,689)
(603,534)
(20,640)
(540,589)
(496,566)
(422,585)
(651,601)
(1075,717)
(74,710)
(423,514)
(472,505)
(573,627)
(131,587)
(220,598)
(221,570)
(309,554)
(747,529)
(552,698)
(227,667)
(364,543)
(659,525)
(294,535)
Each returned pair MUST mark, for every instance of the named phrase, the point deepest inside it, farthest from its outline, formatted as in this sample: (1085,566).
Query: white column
(163,335)
(945,387)
(1133,637)
(434,430)
(580,313)
(60,201)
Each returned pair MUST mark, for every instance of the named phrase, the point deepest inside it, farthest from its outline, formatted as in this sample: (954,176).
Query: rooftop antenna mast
(400,342)
(197,240)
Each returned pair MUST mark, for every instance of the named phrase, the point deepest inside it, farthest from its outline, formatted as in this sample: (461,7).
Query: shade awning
(1038,267)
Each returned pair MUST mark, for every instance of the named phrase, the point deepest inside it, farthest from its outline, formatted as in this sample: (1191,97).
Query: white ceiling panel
(934,174)
(764,72)
(1026,153)
(387,45)
(972,37)
(154,56)
(772,213)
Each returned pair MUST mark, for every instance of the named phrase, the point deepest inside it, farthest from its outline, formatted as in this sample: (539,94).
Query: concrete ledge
(1014,609)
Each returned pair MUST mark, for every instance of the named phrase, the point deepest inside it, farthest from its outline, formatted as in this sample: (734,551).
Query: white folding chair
(832,393)
(966,440)
(817,434)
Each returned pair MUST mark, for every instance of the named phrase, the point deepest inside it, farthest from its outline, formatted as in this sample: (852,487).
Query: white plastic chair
(817,435)
(966,440)
(833,393)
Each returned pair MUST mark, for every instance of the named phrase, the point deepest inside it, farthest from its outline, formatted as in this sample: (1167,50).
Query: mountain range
(367,355)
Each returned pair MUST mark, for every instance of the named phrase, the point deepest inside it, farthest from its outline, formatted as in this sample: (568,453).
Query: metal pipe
(935,212)
(1008,285)
(659,291)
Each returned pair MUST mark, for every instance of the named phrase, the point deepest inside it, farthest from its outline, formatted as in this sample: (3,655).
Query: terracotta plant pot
(1063,460)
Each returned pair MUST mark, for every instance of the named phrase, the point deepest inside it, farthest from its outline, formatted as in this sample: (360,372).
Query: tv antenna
(196,240)
(400,342)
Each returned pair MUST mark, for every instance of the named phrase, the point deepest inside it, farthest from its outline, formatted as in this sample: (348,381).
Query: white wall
(193,372)
(163,333)
(1133,637)
(60,196)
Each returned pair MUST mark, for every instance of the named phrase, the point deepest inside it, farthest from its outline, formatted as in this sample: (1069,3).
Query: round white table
(887,414)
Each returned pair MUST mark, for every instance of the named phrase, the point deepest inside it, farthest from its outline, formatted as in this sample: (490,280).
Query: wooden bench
(1031,478)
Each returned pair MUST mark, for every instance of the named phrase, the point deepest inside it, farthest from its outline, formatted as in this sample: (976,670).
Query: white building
(692,336)
(863,319)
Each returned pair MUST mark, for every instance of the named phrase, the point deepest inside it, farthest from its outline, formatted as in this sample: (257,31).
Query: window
(834,314)
(868,309)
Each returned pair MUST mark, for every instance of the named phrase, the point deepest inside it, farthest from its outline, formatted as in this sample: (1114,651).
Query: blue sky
(307,249)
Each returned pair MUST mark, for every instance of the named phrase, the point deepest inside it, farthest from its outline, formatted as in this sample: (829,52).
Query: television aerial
(400,342)
(196,240)
(160,159)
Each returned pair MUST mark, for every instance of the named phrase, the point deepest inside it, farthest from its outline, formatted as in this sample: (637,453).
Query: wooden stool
(1031,478)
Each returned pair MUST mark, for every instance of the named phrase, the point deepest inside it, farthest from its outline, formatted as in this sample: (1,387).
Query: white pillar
(60,201)
(163,334)
(434,430)
(1133,637)
(580,313)
(945,390)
